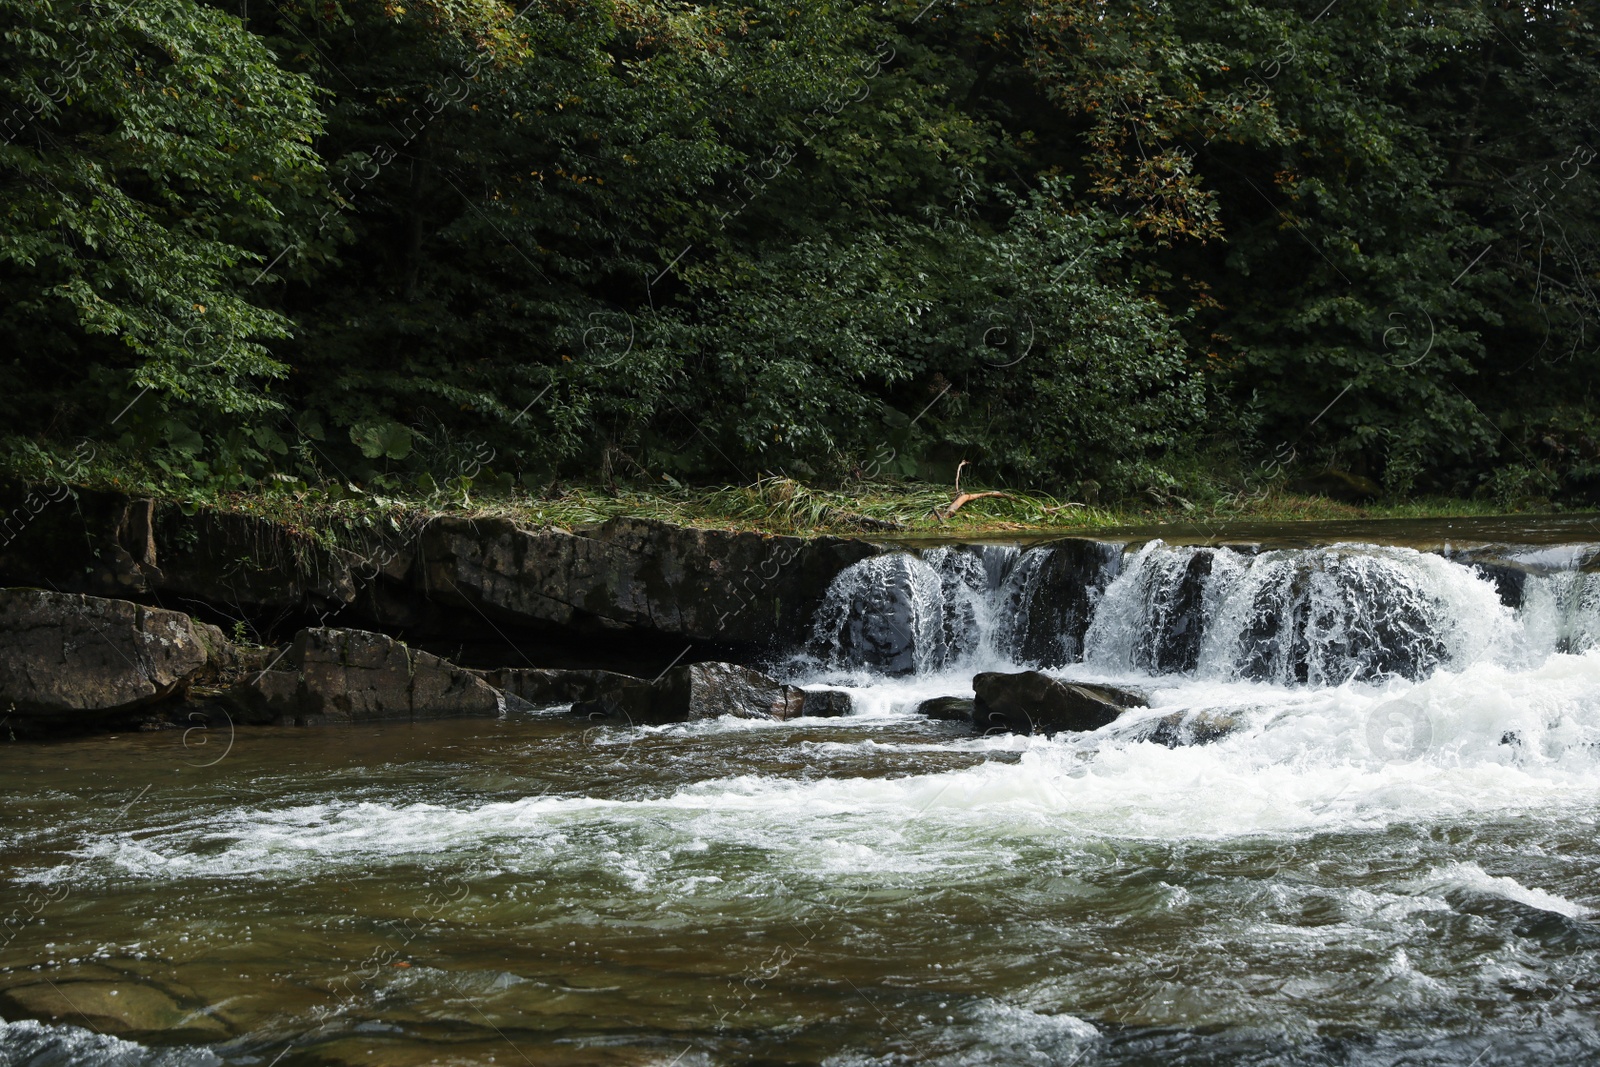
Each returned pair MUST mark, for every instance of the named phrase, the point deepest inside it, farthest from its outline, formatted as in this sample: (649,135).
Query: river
(1388,857)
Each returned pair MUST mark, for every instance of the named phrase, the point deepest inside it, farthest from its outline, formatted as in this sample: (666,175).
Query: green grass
(335,514)
(780,506)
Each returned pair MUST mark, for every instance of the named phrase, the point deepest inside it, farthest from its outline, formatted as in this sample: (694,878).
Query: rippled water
(1379,870)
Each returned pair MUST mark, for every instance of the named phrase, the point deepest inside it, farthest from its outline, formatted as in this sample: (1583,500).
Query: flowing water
(1387,857)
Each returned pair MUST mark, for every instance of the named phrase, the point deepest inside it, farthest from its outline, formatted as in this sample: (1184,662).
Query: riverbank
(779,506)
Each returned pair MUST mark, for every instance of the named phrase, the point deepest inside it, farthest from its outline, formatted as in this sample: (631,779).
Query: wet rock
(1185,728)
(1176,645)
(544,688)
(1509,582)
(72,657)
(1035,703)
(337,676)
(633,703)
(949,709)
(879,613)
(1056,598)
(701,691)
(826,703)
(1119,695)
(111,1007)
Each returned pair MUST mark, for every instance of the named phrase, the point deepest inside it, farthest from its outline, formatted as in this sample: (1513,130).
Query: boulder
(950,709)
(707,691)
(1035,703)
(826,703)
(1184,728)
(331,675)
(544,688)
(73,657)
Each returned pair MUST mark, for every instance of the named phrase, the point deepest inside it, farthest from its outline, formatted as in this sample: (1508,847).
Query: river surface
(1390,858)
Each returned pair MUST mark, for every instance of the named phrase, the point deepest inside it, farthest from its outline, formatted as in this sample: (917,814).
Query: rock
(544,688)
(950,709)
(709,690)
(632,574)
(107,544)
(72,657)
(1116,694)
(1509,582)
(337,675)
(1034,703)
(634,704)
(1191,728)
(115,1007)
(700,691)
(1057,596)
(826,703)
(1175,644)
(873,619)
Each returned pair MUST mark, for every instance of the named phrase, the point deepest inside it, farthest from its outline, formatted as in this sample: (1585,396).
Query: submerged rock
(1035,703)
(111,1007)
(70,657)
(354,676)
(949,709)
(708,691)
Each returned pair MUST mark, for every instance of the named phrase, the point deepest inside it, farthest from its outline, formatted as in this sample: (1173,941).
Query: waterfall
(1312,617)
(925,611)
(1561,611)
(1317,617)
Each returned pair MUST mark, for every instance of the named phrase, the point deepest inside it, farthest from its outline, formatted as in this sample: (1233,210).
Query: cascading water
(1354,828)
(1561,611)
(905,613)
(1305,616)
(1316,617)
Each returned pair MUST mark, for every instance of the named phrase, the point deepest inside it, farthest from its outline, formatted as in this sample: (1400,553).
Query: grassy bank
(771,505)
(779,506)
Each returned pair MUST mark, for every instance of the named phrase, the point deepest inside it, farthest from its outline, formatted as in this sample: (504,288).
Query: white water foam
(1484,742)
(1474,879)
(1317,617)
(27,1043)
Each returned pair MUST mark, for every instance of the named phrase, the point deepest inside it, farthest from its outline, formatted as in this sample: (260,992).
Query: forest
(1134,247)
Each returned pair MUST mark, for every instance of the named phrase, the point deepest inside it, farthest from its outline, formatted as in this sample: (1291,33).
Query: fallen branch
(963,498)
(967,498)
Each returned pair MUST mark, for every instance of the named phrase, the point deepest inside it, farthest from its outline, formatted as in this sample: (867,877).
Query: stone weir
(118,612)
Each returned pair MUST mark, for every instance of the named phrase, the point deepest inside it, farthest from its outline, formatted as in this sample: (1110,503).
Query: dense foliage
(391,242)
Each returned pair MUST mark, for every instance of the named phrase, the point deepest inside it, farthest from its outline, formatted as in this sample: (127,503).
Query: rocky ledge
(630,588)
(76,663)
